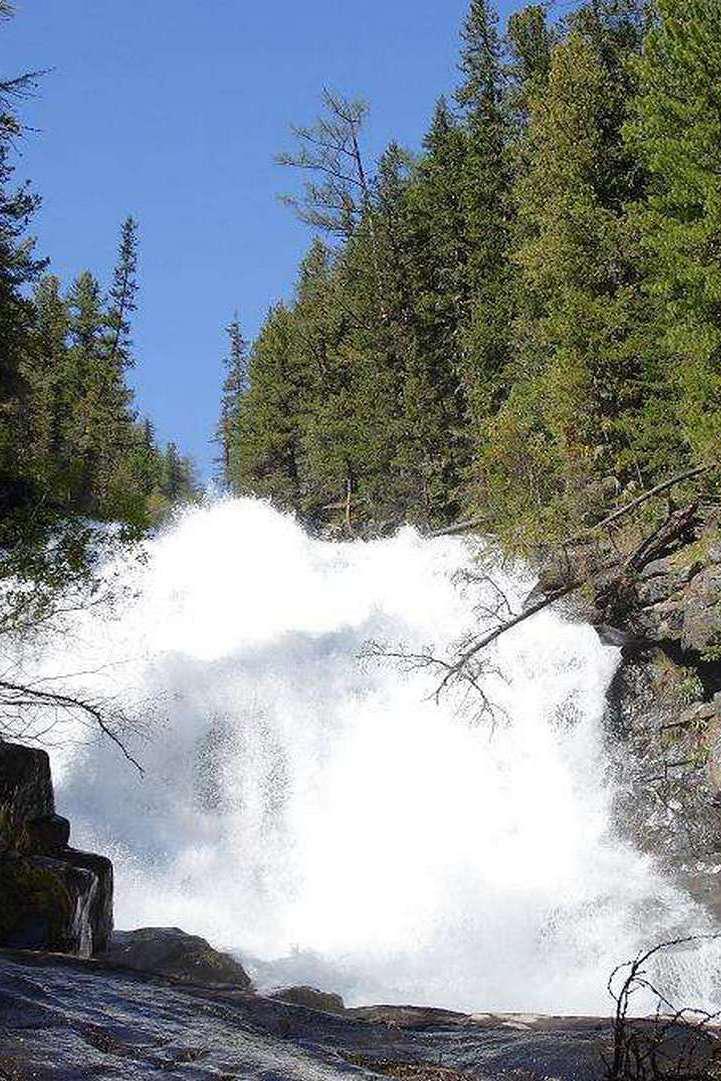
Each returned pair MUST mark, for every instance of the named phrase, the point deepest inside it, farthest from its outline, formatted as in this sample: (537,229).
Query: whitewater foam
(323,815)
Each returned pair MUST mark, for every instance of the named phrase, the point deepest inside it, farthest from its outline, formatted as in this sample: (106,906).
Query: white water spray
(326,818)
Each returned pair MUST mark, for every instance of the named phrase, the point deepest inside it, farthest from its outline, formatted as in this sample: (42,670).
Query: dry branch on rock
(677,1044)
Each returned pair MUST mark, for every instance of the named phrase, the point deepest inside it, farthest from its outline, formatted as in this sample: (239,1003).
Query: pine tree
(479,63)
(175,479)
(486,194)
(236,385)
(529,41)
(45,413)
(102,415)
(18,268)
(677,130)
(575,397)
(267,448)
(122,298)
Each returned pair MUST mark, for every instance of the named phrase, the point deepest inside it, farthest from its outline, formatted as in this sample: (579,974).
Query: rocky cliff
(659,599)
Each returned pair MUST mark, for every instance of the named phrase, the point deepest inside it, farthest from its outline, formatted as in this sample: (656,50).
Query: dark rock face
(51,896)
(25,783)
(48,833)
(168,951)
(310,997)
(51,902)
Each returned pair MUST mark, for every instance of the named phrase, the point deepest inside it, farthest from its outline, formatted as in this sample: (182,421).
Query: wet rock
(101,906)
(168,951)
(47,905)
(310,997)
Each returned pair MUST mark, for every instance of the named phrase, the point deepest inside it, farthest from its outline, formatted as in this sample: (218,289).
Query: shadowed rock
(51,896)
(26,788)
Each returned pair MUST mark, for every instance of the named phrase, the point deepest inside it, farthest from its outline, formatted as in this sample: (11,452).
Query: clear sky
(172,110)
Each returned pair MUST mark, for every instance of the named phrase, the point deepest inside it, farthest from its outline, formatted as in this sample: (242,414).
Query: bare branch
(675,1044)
(20,696)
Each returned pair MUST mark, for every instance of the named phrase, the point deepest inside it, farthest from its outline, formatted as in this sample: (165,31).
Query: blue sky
(172,110)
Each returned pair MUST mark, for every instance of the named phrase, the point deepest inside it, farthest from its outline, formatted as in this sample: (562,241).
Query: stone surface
(310,997)
(25,782)
(69,1020)
(661,606)
(168,951)
(701,630)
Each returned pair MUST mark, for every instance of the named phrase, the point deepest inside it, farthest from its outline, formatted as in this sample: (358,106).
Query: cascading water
(328,819)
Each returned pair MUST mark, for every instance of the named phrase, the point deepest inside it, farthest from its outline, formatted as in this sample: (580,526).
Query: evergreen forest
(520,324)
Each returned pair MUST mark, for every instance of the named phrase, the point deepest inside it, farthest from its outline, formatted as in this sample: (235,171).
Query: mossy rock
(33,896)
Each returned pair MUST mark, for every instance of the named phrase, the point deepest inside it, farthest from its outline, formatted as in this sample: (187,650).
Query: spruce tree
(486,194)
(19,268)
(568,425)
(677,130)
(267,453)
(236,384)
(122,298)
(46,407)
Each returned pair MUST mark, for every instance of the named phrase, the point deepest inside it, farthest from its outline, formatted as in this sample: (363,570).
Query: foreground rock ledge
(71,1020)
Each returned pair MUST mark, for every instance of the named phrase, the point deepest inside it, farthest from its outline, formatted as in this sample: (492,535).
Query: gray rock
(661,622)
(168,951)
(702,611)
(70,1021)
(51,896)
(310,997)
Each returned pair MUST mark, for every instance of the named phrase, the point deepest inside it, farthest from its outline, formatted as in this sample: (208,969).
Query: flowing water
(322,815)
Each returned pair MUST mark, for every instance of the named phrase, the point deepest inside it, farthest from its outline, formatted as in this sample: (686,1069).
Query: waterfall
(323,816)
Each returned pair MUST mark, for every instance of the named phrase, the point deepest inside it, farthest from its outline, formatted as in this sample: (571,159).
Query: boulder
(168,951)
(52,897)
(325,1001)
(26,787)
(702,612)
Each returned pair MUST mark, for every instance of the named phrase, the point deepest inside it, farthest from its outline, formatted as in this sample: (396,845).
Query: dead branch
(17,696)
(660,489)
(458,527)
(676,1044)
